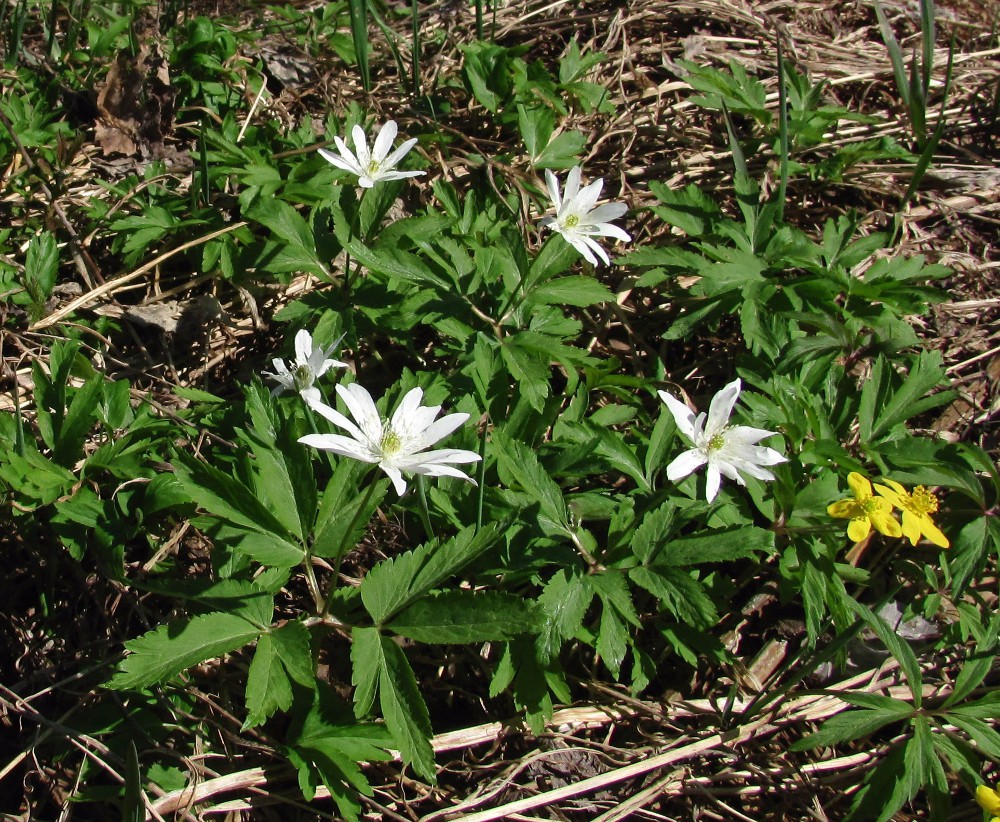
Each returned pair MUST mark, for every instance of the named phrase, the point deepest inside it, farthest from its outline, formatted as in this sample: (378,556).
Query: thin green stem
(425,513)
(481,478)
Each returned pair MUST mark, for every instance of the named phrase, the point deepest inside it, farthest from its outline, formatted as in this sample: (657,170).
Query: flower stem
(344,548)
(425,514)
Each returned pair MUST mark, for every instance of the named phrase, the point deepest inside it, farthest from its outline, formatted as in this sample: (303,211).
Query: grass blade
(782,135)
(359,34)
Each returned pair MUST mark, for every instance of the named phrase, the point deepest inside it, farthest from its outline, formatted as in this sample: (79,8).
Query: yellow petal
(859,528)
(891,495)
(859,485)
(885,522)
(844,509)
(933,533)
(988,799)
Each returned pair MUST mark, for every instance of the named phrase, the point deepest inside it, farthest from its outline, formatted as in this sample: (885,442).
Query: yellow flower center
(717,441)
(303,377)
(572,221)
(373,167)
(923,501)
(391,442)
(870,505)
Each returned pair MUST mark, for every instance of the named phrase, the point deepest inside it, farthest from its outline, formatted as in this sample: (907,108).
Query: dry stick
(111,285)
(805,708)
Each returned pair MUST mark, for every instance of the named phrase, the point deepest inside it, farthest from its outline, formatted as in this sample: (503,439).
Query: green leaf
(224,496)
(166,651)
(652,534)
(133,808)
(680,593)
(293,647)
(455,617)
(578,291)
(897,646)
(852,725)
(612,640)
(270,549)
(565,599)
(342,509)
(41,264)
(689,209)
(519,465)
(561,151)
(80,418)
(718,546)
(366,662)
(268,687)
(405,711)
(393,584)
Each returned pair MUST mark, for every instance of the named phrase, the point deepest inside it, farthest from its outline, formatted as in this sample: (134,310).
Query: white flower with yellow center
(310,364)
(729,450)
(579,219)
(396,446)
(372,166)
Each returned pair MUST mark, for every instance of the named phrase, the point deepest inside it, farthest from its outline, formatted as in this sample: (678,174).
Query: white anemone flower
(578,220)
(372,166)
(396,446)
(310,364)
(728,450)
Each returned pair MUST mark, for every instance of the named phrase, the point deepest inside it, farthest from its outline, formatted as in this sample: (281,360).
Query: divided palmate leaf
(455,617)
(395,583)
(166,651)
(268,687)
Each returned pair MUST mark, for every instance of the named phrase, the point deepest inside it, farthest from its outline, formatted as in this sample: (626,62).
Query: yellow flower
(865,510)
(917,509)
(989,800)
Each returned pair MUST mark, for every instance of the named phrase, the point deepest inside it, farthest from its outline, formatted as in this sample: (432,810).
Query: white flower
(728,449)
(398,446)
(578,220)
(310,364)
(376,165)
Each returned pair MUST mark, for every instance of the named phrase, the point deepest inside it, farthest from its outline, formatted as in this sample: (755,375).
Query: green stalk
(358,10)
(425,511)
(415,49)
(782,135)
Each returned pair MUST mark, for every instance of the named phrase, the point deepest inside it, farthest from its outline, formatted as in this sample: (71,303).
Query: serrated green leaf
(521,465)
(613,590)
(455,617)
(983,734)
(166,651)
(849,726)
(80,418)
(405,711)
(718,546)
(565,599)
(397,582)
(897,647)
(268,687)
(579,291)
(612,640)
(366,663)
(653,532)
(561,151)
(293,647)
(133,808)
(224,496)
(680,594)
(270,549)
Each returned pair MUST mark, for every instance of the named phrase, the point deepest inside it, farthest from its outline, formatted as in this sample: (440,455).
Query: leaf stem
(344,548)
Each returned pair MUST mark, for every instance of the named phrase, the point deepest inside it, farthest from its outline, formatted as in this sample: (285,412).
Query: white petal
(552,184)
(684,464)
(397,478)
(721,408)
(580,244)
(311,395)
(393,159)
(744,435)
(607,212)
(366,182)
(303,346)
(340,162)
(326,365)
(338,419)
(338,444)
(572,185)
(588,196)
(437,457)
(384,140)
(399,175)
(712,482)
(438,430)
(597,249)
(441,471)
(361,146)
(406,413)
(683,416)
(362,407)
(606,230)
